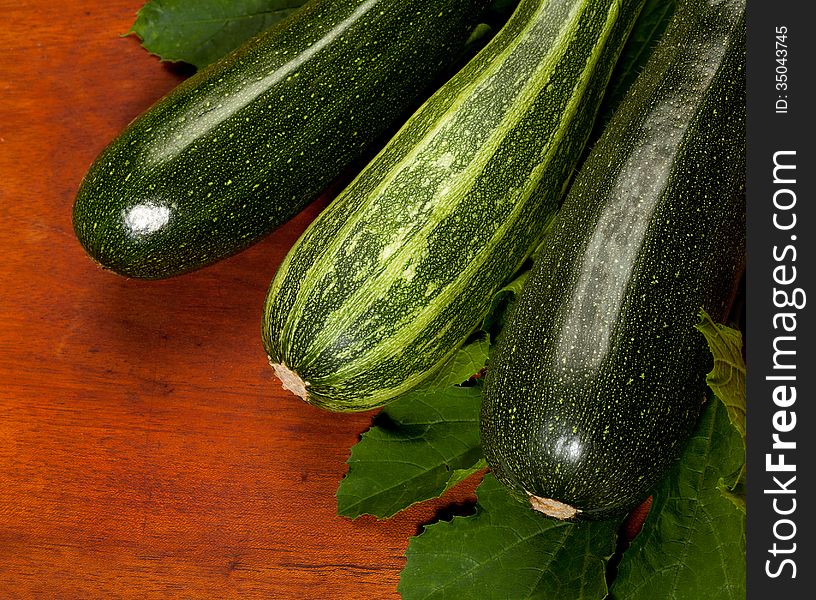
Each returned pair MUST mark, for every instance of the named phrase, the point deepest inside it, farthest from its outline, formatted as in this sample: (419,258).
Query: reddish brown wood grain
(146,450)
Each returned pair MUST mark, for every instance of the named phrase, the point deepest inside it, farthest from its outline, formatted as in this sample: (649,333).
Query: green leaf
(727,379)
(507,550)
(737,495)
(462,366)
(501,303)
(459,475)
(418,447)
(421,444)
(203,31)
(692,545)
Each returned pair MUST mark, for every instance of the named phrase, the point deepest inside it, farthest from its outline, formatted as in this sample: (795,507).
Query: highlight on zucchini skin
(392,277)
(243,145)
(599,375)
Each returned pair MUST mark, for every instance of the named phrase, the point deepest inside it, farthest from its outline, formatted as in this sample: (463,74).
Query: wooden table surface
(146,449)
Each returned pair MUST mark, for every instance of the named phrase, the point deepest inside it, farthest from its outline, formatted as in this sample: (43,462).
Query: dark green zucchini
(390,280)
(243,145)
(599,375)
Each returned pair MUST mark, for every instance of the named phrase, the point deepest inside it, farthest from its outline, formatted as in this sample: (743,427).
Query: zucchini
(599,375)
(392,277)
(245,144)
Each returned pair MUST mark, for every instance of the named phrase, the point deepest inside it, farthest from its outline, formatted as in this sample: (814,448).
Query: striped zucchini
(391,279)
(599,374)
(243,145)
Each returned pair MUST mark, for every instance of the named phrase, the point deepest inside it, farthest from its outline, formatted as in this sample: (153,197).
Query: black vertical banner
(781,300)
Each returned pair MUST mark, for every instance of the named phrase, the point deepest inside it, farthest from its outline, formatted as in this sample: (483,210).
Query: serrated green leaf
(462,366)
(416,446)
(421,444)
(727,378)
(501,303)
(459,475)
(201,32)
(507,550)
(735,496)
(692,545)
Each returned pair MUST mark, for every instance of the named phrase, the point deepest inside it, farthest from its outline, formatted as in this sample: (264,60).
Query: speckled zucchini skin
(599,376)
(389,281)
(245,144)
